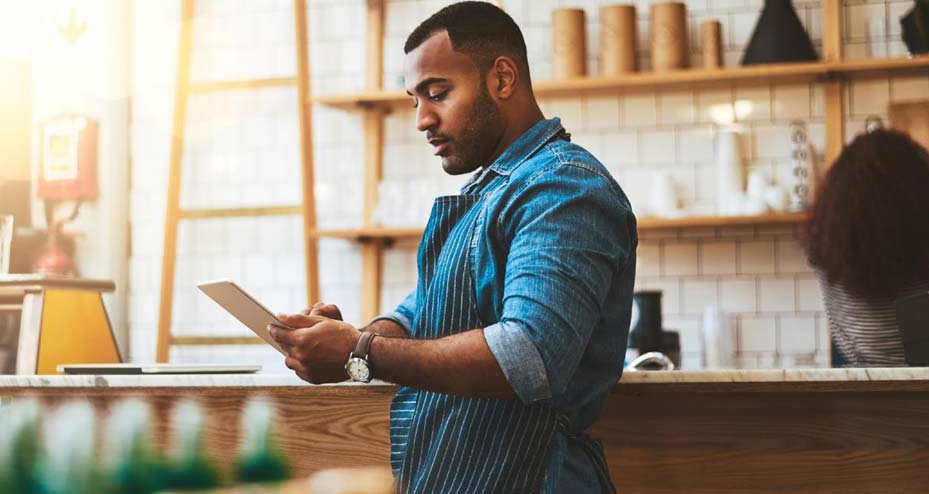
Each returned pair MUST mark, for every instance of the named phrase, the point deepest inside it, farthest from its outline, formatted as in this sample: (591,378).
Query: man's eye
(438,97)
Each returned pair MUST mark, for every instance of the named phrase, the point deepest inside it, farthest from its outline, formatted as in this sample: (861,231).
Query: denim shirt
(553,260)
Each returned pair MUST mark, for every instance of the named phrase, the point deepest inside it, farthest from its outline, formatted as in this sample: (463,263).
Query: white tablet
(243,307)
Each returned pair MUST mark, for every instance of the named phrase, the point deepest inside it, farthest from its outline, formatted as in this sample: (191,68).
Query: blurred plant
(69,464)
(19,447)
(260,458)
(134,466)
(189,466)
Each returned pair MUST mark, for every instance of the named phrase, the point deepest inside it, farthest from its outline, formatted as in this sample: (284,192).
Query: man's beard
(478,138)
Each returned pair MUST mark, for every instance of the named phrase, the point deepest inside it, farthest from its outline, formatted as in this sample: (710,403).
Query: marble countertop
(779,375)
(629,378)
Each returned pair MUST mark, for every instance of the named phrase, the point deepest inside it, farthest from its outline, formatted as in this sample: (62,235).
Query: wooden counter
(796,431)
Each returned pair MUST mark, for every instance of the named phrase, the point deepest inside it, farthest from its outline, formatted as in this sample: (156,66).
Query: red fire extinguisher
(67,172)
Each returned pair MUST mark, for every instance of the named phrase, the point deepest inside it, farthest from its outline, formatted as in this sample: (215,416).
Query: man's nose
(425,119)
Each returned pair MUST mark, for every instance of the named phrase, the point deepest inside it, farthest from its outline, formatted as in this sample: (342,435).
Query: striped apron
(453,444)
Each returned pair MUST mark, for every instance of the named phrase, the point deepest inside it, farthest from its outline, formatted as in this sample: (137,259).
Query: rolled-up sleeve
(403,314)
(569,231)
(519,360)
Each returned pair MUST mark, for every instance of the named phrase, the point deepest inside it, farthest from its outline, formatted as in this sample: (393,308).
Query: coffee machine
(650,347)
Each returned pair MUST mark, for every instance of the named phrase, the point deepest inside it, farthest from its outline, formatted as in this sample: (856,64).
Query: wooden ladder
(183,89)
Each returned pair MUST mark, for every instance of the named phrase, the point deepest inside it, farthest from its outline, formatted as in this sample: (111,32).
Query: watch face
(358,370)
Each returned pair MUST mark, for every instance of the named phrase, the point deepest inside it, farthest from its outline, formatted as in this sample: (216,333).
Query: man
(516,332)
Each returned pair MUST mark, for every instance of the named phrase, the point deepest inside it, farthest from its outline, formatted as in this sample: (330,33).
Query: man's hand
(383,327)
(462,364)
(326,310)
(317,348)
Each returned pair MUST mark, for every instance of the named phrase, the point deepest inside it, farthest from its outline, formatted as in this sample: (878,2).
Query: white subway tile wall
(698,295)
(717,258)
(242,149)
(778,295)
(738,295)
(758,334)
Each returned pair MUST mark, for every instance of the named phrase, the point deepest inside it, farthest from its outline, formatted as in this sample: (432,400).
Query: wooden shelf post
(172,215)
(372,252)
(308,205)
(834,88)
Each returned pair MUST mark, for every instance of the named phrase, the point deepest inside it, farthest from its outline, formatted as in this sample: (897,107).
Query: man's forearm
(387,327)
(461,364)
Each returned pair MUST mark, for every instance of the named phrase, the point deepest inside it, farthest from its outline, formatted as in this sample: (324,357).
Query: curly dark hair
(480,30)
(869,228)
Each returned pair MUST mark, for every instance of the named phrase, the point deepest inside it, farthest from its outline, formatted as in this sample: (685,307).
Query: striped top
(865,330)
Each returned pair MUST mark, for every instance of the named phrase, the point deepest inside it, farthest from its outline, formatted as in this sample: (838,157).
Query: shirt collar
(526,145)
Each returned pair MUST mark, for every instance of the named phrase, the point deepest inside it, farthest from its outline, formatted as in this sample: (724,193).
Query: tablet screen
(243,307)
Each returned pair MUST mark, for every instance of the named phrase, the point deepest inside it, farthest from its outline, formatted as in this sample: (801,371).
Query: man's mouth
(439,146)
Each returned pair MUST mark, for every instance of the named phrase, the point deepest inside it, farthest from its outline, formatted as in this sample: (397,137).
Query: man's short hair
(478,29)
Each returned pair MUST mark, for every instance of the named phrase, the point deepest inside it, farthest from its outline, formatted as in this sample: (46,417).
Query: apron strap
(594,450)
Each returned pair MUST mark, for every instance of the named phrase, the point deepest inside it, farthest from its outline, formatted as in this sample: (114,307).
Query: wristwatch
(357,365)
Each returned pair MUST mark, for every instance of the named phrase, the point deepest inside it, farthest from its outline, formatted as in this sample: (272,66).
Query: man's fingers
(300,320)
(294,365)
(307,312)
(286,337)
(319,309)
(297,337)
(326,310)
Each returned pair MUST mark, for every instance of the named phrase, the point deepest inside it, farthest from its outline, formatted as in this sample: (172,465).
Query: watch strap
(363,346)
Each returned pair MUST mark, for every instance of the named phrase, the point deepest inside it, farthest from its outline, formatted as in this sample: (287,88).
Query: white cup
(664,200)
(732,204)
(776,197)
(756,184)
(753,206)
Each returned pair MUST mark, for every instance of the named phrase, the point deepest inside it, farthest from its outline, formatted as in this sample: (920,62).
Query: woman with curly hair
(868,239)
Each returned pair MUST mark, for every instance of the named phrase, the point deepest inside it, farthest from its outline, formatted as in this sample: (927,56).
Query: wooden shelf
(247,212)
(684,79)
(216,86)
(651,81)
(877,66)
(368,234)
(645,223)
(642,81)
(652,223)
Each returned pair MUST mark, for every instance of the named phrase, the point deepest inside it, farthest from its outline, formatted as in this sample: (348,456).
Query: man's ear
(504,78)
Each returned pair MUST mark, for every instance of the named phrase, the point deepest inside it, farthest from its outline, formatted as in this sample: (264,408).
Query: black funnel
(779,37)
